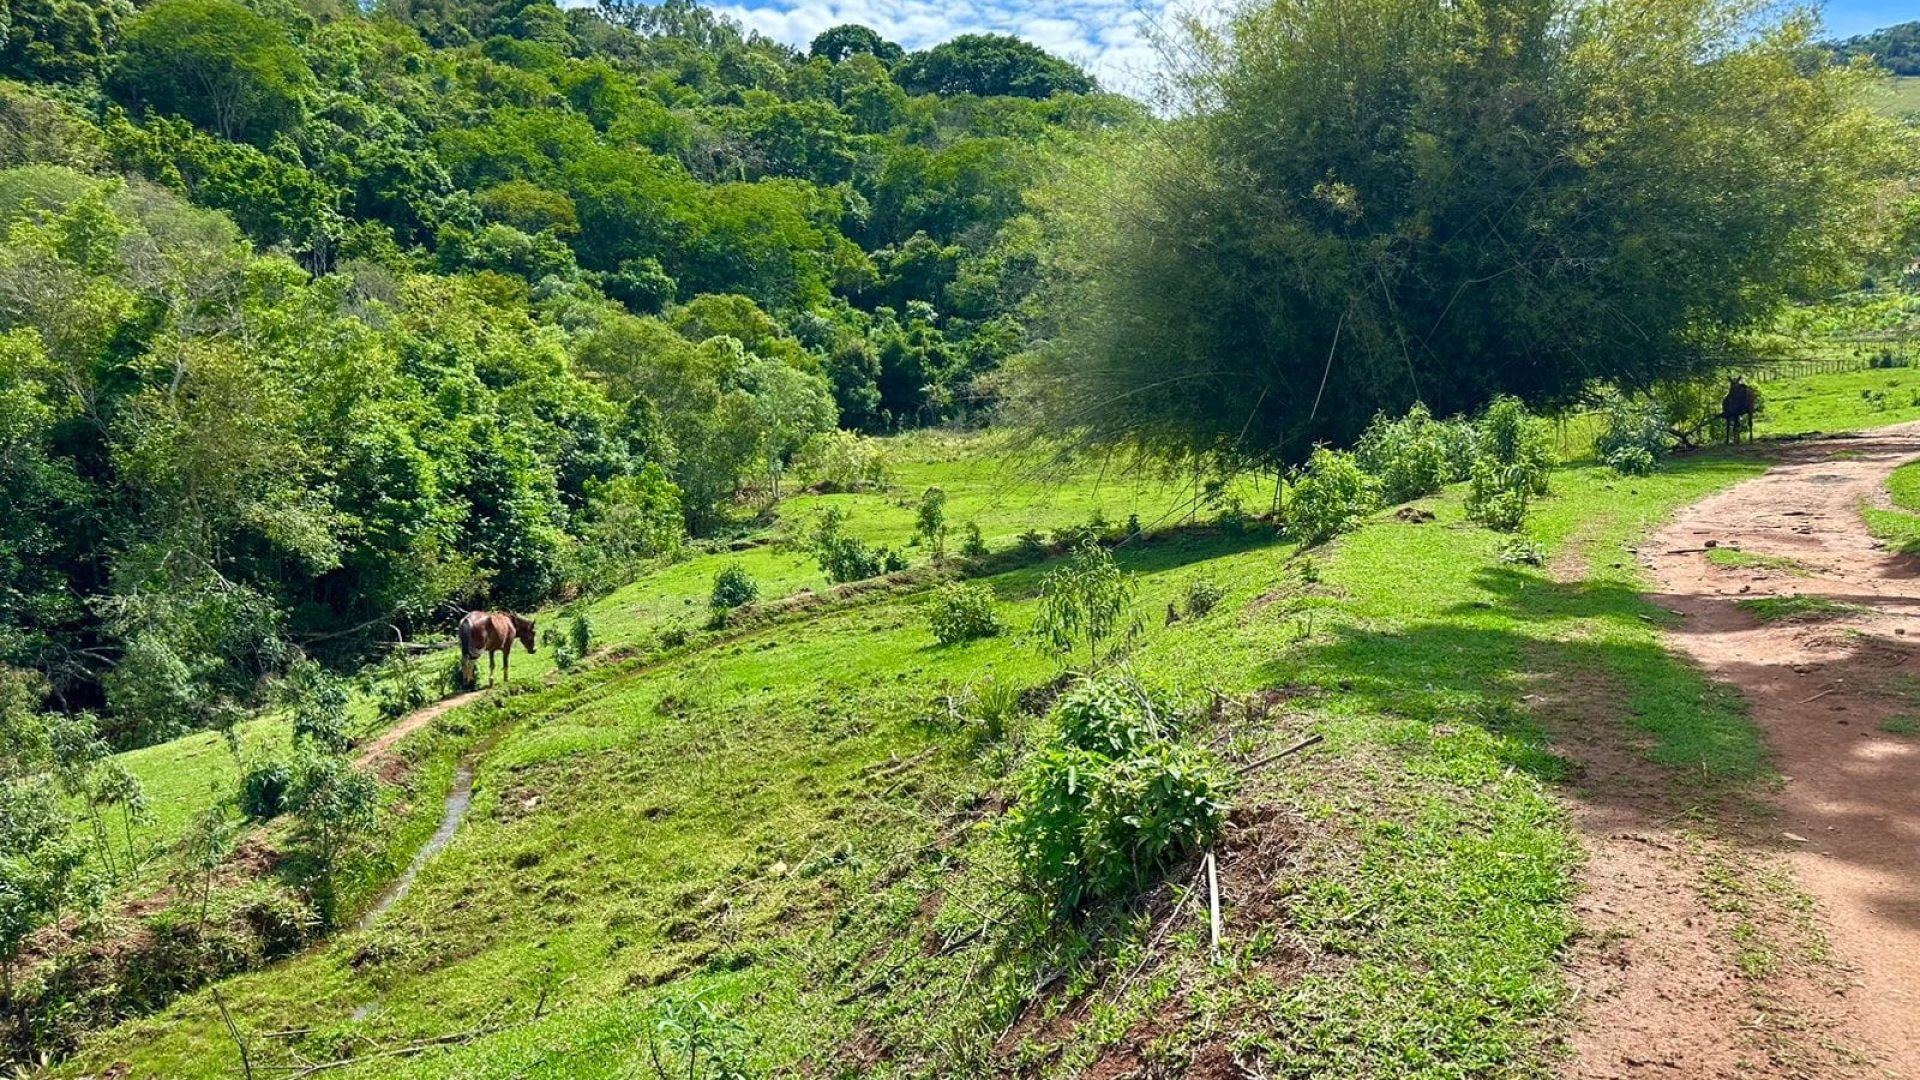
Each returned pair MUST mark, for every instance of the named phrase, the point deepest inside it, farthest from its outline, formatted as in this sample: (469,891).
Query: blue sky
(1109,37)
(1848,17)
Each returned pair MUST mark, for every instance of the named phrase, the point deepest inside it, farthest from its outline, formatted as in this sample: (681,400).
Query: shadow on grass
(1477,659)
(1585,653)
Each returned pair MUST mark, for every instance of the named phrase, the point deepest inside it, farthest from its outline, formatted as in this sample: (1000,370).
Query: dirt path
(408,724)
(1848,810)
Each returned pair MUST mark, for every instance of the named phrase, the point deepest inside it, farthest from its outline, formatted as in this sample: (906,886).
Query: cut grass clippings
(1797,608)
(1735,559)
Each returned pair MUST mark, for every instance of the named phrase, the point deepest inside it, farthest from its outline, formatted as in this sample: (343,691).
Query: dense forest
(317,324)
(1895,48)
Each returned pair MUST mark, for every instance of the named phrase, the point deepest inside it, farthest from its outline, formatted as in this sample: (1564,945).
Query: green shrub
(991,705)
(1084,602)
(1512,463)
(843,461)
(1412,456)
(1203,595)
(334,804)
(263,790)
(573,645)
(1111,716)
(972,546)
(962,612)
(1632,461)
(1514,441)
(732,587)
(1328,497)
(930,522)
(1633,436)
(402,689)
(844,558)
(1233,519)
(1520,549)
(1111,800)
(688,1038)
(319,700)
(1503,510)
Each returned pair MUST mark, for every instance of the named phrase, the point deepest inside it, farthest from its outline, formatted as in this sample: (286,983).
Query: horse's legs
(489,668)
(506,663)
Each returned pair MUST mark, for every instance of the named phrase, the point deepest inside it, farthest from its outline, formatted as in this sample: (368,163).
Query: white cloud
(1108,37)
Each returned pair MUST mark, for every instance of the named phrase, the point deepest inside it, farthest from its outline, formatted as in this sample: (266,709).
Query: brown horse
(492,631)
(1741,402)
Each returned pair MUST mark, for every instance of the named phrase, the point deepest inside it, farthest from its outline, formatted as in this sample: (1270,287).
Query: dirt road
(1820,686)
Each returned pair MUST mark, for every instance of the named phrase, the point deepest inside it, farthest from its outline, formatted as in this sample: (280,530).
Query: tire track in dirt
(1848,810)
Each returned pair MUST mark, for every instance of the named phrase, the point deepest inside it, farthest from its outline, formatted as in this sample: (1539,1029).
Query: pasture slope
(1534,839)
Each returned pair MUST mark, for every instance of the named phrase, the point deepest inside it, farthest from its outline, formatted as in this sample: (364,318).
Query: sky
(1111,38)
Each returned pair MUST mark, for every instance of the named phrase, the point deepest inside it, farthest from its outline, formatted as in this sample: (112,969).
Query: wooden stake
(246,1062)
(1278,754)
(1213,897)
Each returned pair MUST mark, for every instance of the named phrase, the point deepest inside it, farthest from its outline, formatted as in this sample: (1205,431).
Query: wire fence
(1574,430)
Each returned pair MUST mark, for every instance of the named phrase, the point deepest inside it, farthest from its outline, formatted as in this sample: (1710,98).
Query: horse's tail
(468,654)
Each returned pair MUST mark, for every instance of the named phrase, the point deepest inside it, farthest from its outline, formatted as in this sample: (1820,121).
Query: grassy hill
(1901,96)
(789,825)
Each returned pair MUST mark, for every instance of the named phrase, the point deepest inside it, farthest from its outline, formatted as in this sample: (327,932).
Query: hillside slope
(788,823)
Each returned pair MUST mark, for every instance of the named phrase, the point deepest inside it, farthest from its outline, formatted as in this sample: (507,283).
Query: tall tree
(1368,203)
(216,62)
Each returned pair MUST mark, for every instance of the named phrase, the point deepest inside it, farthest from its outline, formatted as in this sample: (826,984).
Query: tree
(63,40)
(319,700)
(1372,202)
(42,860)
(1896,48)
(1083,602)
(203,848)
(334,803)
(930,522)
(991,65)
(215,62)
(836,44)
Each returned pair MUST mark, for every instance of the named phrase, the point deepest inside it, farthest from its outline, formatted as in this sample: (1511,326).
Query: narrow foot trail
(372,750)
(1821,680)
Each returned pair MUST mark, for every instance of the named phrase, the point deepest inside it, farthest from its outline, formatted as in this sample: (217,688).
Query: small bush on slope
(1633,436)
(1513,458)
(732,587)
(1329,497)
(1415,455)
(1084,602)
(1112,798)
(962,612)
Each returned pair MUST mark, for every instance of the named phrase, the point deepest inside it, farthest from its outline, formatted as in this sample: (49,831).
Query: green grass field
(1900,97)
(1898,528)
(787,820)
(714,822)
(1808,405)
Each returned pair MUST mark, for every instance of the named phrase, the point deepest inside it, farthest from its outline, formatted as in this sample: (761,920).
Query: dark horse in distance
(1740,403)
(492,632)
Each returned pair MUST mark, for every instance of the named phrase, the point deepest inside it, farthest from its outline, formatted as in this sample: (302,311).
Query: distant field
(1902,96)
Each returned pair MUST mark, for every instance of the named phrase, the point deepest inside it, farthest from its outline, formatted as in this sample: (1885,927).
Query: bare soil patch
(1846,819)
(376,747)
